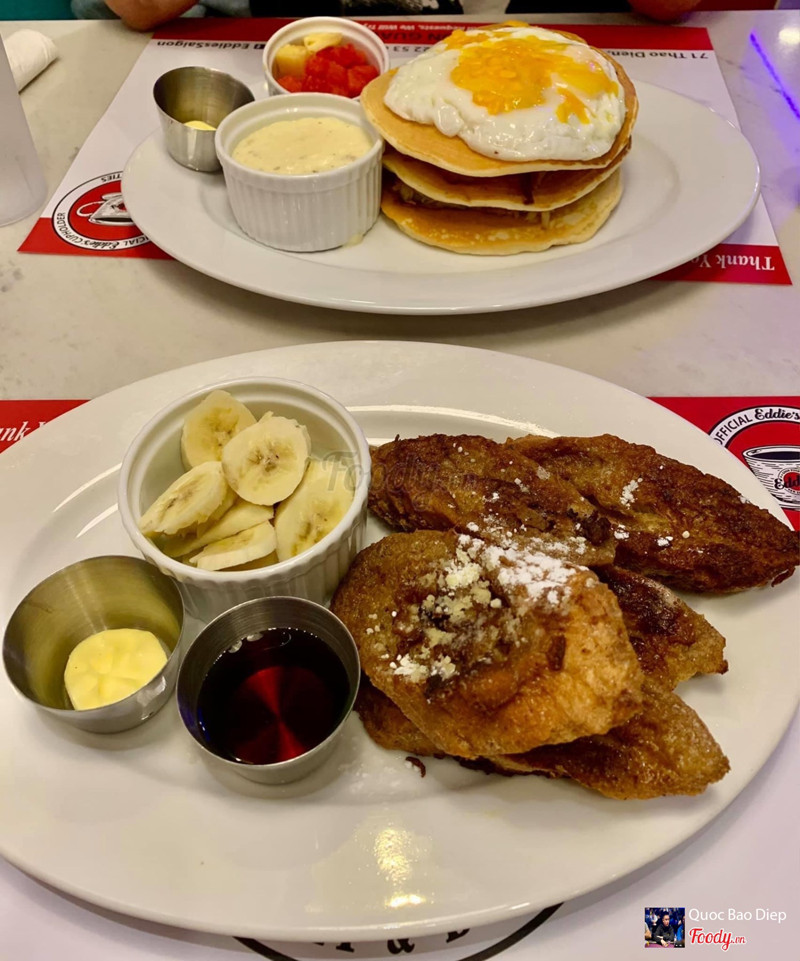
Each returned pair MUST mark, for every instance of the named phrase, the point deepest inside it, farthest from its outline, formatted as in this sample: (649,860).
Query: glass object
(23,188)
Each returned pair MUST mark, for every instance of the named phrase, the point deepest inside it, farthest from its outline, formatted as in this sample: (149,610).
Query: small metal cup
(196,93)
(97,594)
(252,617)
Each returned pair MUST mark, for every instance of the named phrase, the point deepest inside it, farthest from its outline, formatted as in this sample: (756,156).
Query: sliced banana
(197,496)
(209,426)
(314,509)
(228,501)
(258,563)
(238,518)
(111,665)
(241,548)
(265,463)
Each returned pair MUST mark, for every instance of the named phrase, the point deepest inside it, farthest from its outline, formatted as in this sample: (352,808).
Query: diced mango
(314,42)
(290,60)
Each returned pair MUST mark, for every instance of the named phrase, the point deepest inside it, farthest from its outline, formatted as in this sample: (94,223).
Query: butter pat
(199,125)
(109,666)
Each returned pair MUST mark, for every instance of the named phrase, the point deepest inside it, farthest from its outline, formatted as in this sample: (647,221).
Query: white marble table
(62,316)
(78,327)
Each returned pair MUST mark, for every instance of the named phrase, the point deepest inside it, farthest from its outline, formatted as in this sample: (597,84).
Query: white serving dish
(691,179)
(364,849)
(309,211)
(153,461)
(369,43)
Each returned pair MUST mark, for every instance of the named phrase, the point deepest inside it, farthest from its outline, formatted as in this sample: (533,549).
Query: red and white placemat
(86,215)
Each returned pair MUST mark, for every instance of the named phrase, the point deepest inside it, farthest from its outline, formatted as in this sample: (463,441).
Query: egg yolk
(460,38)
(519,72)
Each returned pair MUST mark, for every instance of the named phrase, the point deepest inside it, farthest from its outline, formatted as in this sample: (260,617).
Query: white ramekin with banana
(251,488)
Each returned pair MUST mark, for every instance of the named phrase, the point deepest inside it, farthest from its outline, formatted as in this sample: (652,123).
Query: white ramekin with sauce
(306,211)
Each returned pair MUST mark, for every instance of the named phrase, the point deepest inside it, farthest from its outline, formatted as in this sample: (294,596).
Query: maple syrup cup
(242,665)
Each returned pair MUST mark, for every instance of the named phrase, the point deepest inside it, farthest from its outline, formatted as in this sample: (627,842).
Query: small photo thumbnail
(664,927)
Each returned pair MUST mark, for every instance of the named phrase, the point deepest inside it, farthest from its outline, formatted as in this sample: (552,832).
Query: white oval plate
(136,822)
(691,179)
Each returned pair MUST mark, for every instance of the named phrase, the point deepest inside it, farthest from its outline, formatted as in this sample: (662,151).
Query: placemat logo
(758,435)
(93,217)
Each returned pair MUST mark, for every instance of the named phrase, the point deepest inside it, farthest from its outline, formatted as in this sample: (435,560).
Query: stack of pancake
(443,191)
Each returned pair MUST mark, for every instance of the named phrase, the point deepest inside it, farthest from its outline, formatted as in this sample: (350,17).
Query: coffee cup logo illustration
(109,209)
(778,469)
(767,439)
(93,217)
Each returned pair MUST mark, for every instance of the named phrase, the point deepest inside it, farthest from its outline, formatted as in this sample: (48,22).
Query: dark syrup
(273,698)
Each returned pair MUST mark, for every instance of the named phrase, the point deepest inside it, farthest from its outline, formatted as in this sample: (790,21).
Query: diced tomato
(292,84)
(359,77)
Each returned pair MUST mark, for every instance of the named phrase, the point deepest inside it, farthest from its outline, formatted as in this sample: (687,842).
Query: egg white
(423,91)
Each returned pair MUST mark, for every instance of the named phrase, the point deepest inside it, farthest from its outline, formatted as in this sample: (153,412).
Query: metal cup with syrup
(268,684)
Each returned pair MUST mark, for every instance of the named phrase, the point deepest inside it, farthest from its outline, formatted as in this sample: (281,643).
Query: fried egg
(514,92)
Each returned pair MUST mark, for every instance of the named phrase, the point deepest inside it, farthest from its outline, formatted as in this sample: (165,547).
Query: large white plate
(138,823)
(690,180)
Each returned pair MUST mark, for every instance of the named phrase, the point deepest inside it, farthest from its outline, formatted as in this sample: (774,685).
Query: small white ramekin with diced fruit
(324,55)
(250,488)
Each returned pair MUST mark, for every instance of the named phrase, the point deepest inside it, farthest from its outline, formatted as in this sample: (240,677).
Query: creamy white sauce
(307,145)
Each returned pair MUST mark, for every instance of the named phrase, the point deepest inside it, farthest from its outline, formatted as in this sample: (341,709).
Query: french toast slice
(672,522)
(665,749)
(387,726)
(672,642)
(478,487)
(489,650)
